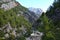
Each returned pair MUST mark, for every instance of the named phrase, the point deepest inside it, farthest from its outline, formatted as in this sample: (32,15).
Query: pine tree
(46,27)
(53,14)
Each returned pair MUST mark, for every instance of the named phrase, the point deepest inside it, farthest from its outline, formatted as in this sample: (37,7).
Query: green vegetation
(11,16)
(46,27)
(54,15)
(50,22)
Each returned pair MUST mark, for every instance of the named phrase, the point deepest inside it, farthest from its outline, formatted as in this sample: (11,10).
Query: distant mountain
(37,11)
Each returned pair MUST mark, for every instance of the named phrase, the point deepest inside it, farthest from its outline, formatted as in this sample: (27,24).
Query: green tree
(46,27)
(53,14)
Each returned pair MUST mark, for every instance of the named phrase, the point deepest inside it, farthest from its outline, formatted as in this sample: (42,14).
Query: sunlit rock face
(37,11)
(9,5)
(6,0)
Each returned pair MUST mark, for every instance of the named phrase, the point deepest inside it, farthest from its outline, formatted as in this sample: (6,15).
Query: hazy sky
(43,4)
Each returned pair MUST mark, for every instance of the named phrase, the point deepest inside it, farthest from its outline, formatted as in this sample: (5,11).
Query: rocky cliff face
(6,0)
(37,11)
(8,4)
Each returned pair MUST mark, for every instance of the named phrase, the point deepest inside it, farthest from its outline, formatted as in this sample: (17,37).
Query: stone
(9,5)
(35,36)
(6,35)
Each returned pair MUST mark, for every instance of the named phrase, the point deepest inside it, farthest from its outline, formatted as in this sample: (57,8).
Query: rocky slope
(29,15)
(15,20)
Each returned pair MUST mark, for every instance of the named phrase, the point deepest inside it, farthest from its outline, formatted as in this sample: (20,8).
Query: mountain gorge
(20,23)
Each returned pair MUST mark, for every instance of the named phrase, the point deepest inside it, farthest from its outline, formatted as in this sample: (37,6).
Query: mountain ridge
(37,11)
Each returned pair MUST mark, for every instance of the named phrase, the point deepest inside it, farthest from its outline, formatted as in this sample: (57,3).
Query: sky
(42,4)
